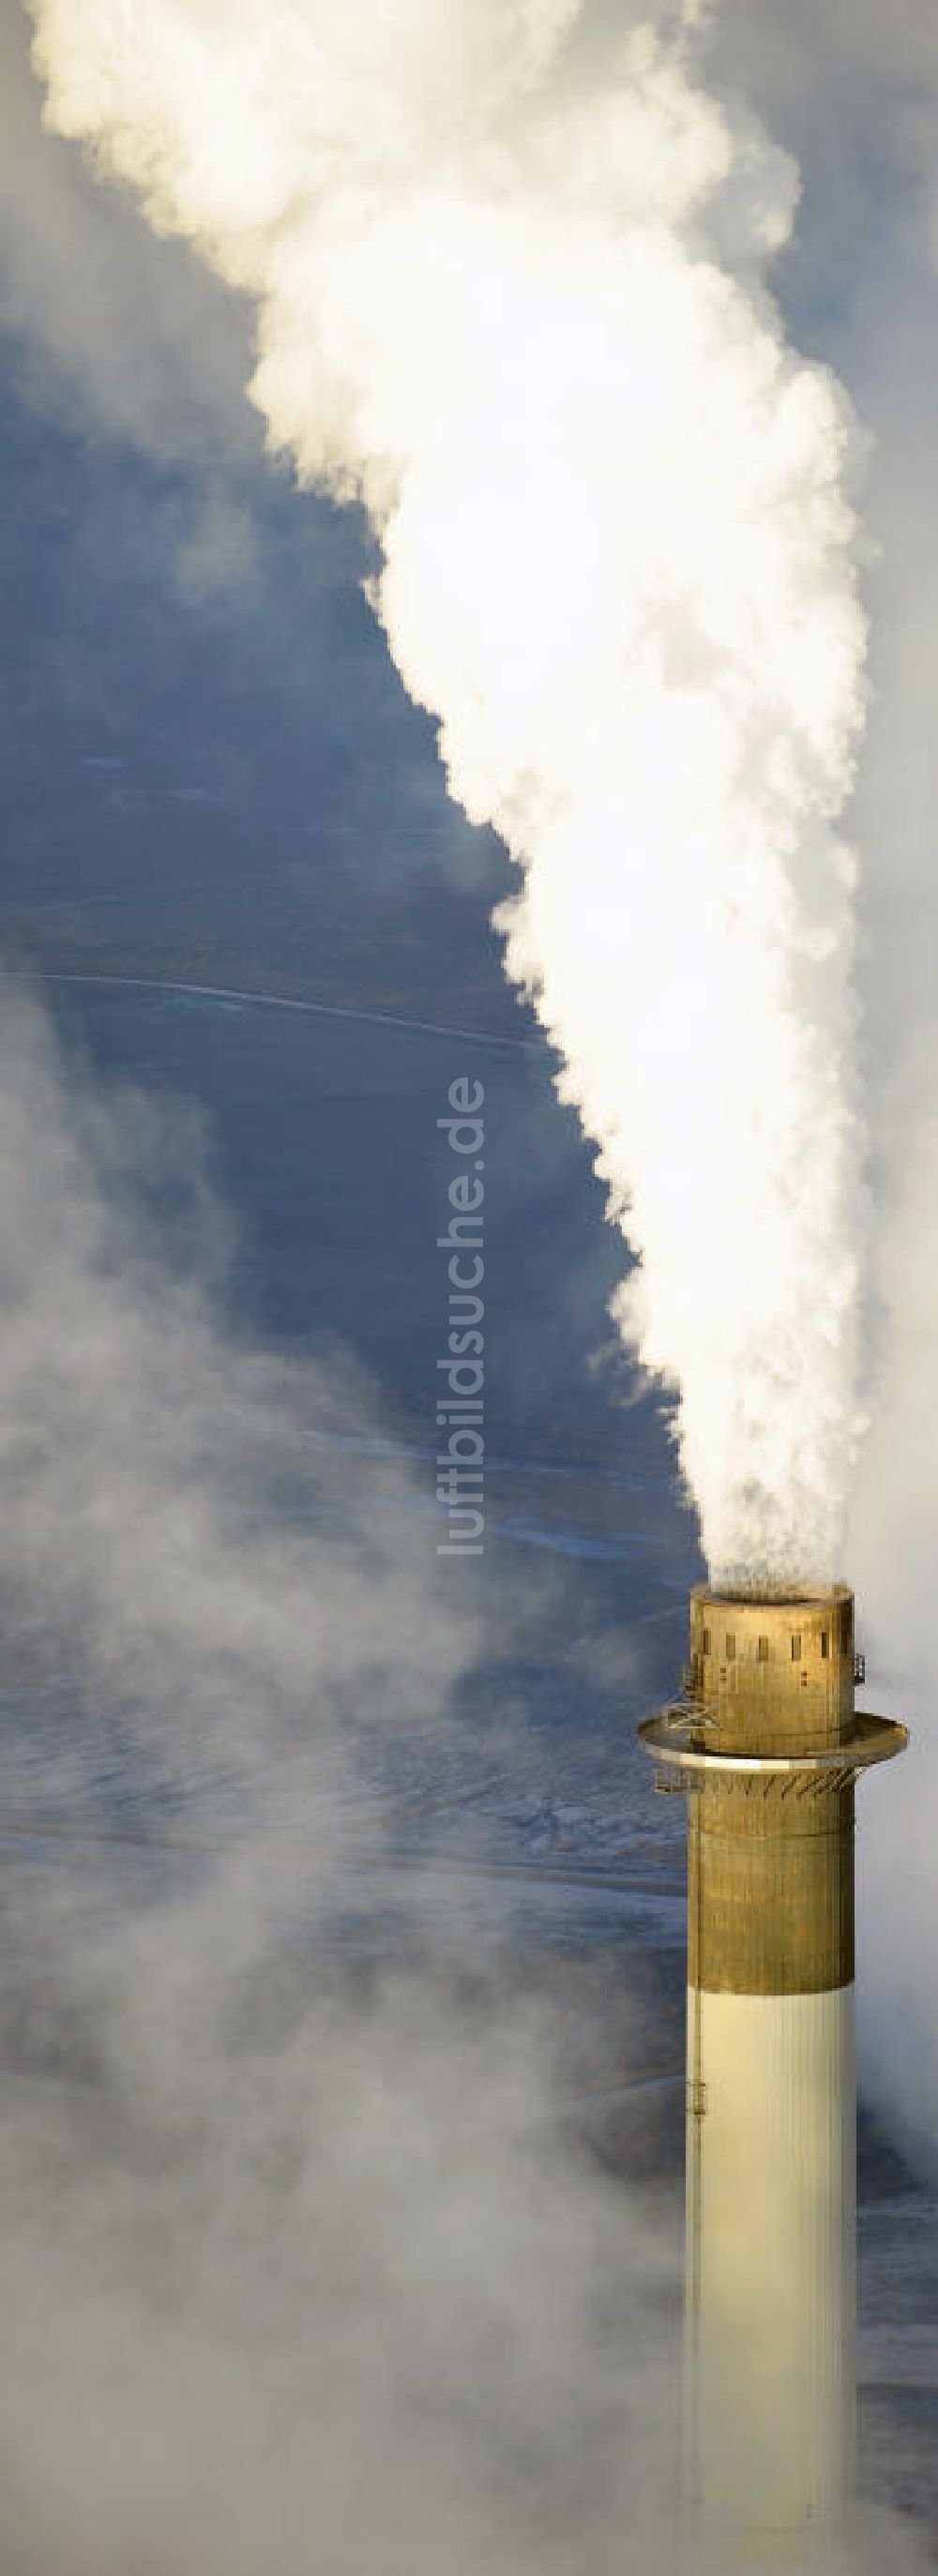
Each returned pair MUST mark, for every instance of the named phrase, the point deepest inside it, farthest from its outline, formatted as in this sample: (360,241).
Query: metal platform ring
(874,1739)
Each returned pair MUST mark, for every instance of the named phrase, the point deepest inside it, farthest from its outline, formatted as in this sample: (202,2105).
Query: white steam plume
(497,303)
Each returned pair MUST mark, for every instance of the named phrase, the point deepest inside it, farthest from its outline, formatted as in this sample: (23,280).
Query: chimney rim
(761,1595)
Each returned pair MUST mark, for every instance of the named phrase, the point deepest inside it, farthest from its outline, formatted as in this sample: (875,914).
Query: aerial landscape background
(343,1978)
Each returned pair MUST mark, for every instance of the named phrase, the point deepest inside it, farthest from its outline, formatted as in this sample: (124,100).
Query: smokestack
(769,1744)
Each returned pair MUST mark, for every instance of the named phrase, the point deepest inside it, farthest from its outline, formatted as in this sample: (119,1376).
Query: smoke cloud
(171,1534)
(509,294)
(302,2261)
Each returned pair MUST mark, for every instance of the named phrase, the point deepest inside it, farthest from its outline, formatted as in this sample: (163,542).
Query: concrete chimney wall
(769,1745)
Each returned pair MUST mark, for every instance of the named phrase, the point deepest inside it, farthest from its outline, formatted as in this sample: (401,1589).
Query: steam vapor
(301,2262)
(511,300)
